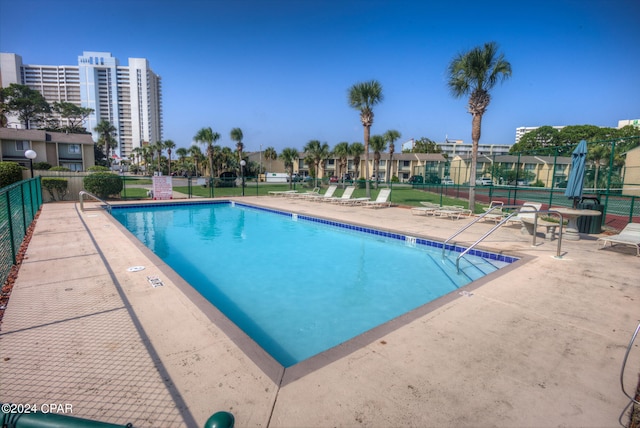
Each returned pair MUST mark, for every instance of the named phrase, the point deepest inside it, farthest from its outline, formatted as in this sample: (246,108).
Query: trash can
(590,224)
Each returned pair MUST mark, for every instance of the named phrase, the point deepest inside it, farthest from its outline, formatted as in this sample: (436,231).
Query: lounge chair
(282,192)
(453,212)
(630,235)
(494,212)
(527,216)
(323,196)
(426,208)
(313,193)
(348,192)
(381,201)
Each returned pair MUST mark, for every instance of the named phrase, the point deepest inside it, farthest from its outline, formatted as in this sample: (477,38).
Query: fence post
(10,221)
(633,200)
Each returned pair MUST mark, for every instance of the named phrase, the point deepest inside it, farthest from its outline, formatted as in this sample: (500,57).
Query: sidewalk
(537,344)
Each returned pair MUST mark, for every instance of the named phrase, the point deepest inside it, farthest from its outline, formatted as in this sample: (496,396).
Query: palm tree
(390,137)
(106,137)
(378,145)
(236,135)
(158,147)
(169,145)
(182,153)
(341,150)
(289,156)
(208,137)
(316,153)
(356,150)
(137,152)
(475,73)
(147,156)
(196,155)
(270,154)
(363,96)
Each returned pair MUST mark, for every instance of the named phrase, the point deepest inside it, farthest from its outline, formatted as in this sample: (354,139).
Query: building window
(21,146)
(74,149)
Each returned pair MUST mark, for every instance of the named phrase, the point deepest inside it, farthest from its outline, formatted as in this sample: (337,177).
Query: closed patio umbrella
(576,176)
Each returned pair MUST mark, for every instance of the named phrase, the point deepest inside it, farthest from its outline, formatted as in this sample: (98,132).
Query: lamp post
(242,164)
(31,155)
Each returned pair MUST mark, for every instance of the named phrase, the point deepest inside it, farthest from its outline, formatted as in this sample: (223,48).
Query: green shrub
(55,187)
(59,168)
(42,166)
(98,168)
(103,184)
(10,172)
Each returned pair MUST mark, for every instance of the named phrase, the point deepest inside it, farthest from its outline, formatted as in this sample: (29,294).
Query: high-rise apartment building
(129,97)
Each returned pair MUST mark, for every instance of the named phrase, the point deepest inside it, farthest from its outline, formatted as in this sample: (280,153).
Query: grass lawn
(399,195)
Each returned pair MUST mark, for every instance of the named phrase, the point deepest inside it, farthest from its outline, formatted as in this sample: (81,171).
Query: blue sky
(280,69)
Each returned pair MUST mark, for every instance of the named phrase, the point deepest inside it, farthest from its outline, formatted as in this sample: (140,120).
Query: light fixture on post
(31,155)
(242,164)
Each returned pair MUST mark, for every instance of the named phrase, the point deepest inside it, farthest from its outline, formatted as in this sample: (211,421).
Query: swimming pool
(298,285)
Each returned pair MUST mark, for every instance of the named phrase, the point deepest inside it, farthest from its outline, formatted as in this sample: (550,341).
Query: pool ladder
(91,195)
(497,226)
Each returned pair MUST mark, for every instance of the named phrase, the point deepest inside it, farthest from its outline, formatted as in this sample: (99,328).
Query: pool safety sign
(162,187)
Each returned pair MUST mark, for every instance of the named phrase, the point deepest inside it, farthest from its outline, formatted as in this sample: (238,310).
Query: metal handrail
(503,221)
(444,246)
(84,192)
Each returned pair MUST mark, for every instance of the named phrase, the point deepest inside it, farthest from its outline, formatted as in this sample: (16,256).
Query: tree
(475,73)
(363,96)
(390,137)
(341,150)
(74,114)
(28,104)
(270,154)
(208,137)
(236,135)
(425,145)
(289,156)
(316,153)
(197,156)
(356,150)
(169,145)
(378,145)
(106,138)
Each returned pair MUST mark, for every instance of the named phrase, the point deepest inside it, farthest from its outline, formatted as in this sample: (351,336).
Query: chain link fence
(19,204)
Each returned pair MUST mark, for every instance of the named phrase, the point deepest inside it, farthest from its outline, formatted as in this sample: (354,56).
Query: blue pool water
(295,284)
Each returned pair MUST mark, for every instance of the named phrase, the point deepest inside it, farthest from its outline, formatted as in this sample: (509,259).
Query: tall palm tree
(289,156)
(137,153)
(270,154)
(475,73)
(158,147)
(378,145)
(237,136)
(356,150)
(363,96)
(341,150)
(316,153)
(196,156)
(147,157)
(169,145)
(390,137)
(208,137)
(106,137)
(182,154)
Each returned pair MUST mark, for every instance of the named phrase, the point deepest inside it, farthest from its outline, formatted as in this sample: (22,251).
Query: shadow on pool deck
(538,345)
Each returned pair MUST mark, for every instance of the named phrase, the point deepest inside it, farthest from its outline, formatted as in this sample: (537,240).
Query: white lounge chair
(323,196)
(630,235)
(345,195)
(426,208)
(381,201)
(527,216)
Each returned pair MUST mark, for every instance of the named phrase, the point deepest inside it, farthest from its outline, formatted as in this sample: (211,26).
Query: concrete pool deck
(539,343)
